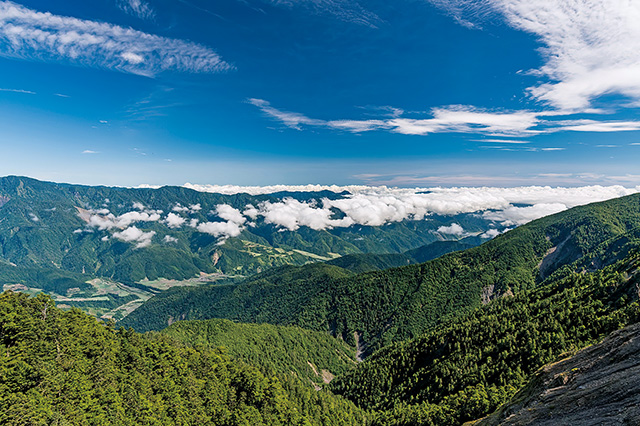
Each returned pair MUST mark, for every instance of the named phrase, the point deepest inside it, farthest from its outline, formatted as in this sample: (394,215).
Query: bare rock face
(600,385)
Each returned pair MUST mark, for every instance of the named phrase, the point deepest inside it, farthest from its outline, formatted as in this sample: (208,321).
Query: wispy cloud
(521,148)
(25,92)
(138,8)
(89,152)
(507,141)
(455,119)
(345,10)
(452,119)
(32,35)
(289,119)
(590,46)
(600,126)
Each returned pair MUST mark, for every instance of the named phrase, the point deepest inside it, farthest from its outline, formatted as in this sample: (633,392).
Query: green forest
(467,368)
(66,368)
(307,355)
(381,307)
(362,339)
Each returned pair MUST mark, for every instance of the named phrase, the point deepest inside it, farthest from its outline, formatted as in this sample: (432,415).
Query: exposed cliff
(600,385)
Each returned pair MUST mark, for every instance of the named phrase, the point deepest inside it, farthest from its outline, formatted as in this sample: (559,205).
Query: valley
(442,334)
(319,213)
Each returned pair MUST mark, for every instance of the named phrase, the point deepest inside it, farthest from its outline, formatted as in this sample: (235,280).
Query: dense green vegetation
(66,368)
(46,242)
(467,368)
(445,341)
(440,248)
(308,355)
(359,263)
(381,307)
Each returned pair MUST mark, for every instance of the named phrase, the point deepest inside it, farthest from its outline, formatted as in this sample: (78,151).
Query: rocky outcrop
(600,385)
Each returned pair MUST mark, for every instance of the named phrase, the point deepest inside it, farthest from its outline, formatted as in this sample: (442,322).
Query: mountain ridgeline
(107,250)
(444,342)
(373,309)
(468,367)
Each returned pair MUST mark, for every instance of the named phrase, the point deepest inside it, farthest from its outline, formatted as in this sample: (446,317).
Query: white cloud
(507,141)
(136,8)
(268,189)
(601,126)
(25,92)
(292,214)
(358,126)
(521,215)
(132,58)
(195,208)
(251,212)
(220,229)
(230,214)
(138,206)
(491,233)
(466,119)
(88,151)
(28,34)
(133,234)
(289,119)
(169,239)
(104,220)
(34,217)
(374,206)
(453,229)
(377,206)
(590,46)
(463,119)
(451,119)
(179,208)
(174,221)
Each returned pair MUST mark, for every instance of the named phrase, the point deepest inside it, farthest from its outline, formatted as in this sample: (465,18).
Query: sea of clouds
(362,205)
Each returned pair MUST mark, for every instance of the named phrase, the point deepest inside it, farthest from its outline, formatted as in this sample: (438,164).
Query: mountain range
(443,334)
(107,250)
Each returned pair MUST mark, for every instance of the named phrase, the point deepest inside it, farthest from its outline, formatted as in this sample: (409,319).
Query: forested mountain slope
(310,356)
(466,368)
(60,367)
(599,385)
(380,307)
(106,250)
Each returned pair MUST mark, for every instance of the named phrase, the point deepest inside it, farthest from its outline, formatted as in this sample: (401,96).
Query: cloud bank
(362,205)
(381,205)
(28,34)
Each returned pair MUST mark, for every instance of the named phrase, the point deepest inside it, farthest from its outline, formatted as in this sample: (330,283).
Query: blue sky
(257,92)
